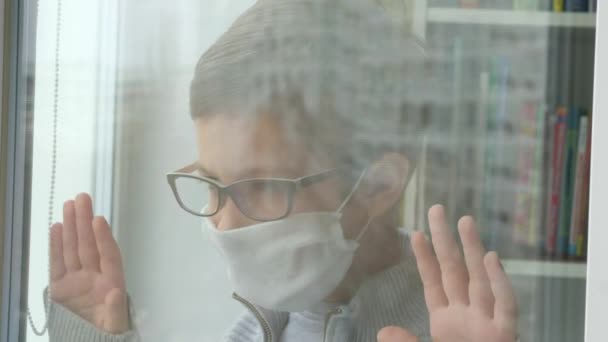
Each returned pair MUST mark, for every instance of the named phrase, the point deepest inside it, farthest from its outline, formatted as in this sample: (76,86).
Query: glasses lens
(197,195)
(262,199)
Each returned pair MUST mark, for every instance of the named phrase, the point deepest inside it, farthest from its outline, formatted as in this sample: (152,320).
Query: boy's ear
(383,183)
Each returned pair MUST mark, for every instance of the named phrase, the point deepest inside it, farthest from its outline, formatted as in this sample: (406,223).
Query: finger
(480,292)
(87,248)
(453,271)
(430,274)
(505,307)
(57,264)
(395,334)
(110,260)
(117,314)
(70,237)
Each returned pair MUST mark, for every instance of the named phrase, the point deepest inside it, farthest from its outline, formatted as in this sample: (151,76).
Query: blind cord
(53,167)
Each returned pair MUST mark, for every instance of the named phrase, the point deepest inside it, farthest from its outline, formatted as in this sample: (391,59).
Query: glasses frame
(226,191)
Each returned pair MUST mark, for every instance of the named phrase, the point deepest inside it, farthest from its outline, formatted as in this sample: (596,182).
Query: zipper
(258,315)
(327,318)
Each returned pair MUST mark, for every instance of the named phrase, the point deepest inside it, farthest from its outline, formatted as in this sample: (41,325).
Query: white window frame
(597,274)
(18,32)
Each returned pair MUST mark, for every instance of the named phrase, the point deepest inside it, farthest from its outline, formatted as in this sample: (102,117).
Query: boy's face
(233,148)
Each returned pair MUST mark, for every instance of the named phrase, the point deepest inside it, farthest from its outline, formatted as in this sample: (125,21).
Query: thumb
(117,315)
(395,334)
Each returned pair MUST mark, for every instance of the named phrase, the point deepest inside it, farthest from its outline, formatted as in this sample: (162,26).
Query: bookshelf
(424,15)
(510,17)
(548,63)
(550,269)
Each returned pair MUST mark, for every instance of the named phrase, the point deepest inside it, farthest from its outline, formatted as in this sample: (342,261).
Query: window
(485,107)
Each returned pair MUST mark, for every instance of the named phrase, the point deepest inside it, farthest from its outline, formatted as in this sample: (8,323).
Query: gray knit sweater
(392,297)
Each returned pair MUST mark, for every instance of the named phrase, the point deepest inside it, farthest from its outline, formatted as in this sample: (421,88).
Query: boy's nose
(231,217)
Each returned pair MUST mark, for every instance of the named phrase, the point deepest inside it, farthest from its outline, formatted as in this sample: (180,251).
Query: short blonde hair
(338,72)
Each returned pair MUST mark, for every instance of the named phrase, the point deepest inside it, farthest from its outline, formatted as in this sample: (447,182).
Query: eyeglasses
(261,199)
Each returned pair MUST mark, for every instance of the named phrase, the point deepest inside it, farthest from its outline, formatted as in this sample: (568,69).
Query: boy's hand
(470,298)
(86,268)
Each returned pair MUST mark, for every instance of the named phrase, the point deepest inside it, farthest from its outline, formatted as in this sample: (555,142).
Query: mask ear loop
(350,195)
(352,191)
(364,230)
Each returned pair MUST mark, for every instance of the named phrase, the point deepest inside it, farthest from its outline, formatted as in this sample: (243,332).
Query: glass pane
(263,200)
(483,107)
(197,195)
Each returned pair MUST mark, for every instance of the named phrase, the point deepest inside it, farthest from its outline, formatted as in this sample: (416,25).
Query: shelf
(510,17)
(551,269)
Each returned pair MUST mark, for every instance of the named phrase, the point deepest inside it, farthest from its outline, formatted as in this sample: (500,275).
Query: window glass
(268,170)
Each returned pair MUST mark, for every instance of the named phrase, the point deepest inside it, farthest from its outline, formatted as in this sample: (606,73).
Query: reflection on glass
(324,133)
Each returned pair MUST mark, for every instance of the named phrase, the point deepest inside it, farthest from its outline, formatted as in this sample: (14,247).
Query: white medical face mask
(290,264)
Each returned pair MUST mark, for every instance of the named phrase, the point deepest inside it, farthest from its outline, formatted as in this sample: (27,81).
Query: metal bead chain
(53,169)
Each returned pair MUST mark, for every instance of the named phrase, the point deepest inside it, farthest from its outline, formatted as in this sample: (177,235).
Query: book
(557,154)
(550,122)
(524,170)
(558,5)
(576,5)
(576,219)
(581,239)
(526,217)
(538,185)
(495,155)
(569,167)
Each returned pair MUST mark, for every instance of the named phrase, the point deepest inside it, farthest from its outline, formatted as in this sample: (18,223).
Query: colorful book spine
(576,220)
(557,154)
(565,209)
(581,240)
(558,5)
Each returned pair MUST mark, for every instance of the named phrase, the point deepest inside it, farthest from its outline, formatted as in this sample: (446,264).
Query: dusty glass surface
(268,171)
